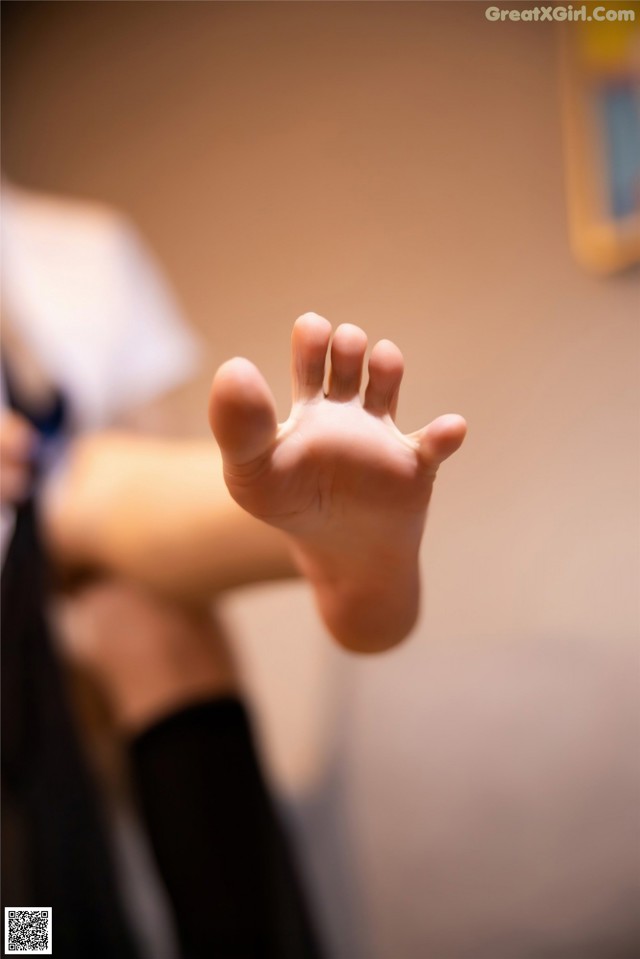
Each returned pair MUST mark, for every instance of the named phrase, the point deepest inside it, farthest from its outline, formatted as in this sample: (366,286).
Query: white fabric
(86,296)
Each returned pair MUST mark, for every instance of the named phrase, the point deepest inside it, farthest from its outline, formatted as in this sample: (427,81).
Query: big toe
(242,412)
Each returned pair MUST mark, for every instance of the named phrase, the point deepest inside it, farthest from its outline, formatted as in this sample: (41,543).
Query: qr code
(27,932)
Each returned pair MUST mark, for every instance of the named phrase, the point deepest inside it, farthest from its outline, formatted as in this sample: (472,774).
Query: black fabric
(218,841)
(54,851)
(50,420)
(55,848)
(220,847)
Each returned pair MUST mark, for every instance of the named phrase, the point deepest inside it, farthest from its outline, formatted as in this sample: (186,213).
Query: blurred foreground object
(601,119)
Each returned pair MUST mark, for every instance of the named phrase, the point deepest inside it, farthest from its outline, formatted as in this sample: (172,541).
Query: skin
(17,445)
(336,492)
(349,489)
(340,492)
(162,656)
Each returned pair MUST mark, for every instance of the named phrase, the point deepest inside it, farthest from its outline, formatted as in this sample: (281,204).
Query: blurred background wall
(399,165)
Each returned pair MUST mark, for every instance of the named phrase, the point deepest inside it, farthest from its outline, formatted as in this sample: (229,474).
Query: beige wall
(399,165)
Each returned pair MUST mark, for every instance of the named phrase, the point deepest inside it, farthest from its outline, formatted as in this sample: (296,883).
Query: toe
(386,366)
(242,412)
(441,438)
(347,355)
(309,343)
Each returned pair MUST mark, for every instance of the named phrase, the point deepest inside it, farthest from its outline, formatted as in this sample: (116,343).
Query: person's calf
(149,656)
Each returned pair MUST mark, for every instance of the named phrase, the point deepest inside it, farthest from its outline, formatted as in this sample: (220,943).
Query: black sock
(220,847)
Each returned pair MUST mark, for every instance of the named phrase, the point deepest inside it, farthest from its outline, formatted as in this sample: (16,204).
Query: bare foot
(337,475)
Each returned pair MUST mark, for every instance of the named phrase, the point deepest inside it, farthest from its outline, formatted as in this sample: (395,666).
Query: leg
(218,841)
(220,848)
(148,655)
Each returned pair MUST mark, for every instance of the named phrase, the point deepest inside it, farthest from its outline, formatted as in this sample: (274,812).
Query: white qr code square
(27,931)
